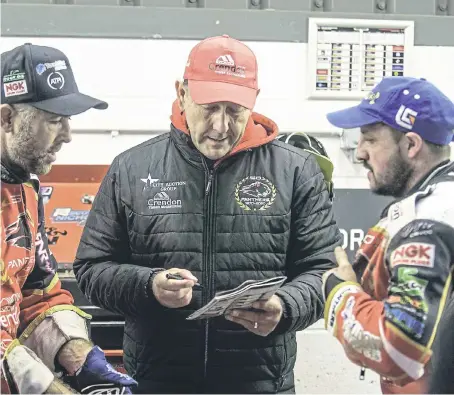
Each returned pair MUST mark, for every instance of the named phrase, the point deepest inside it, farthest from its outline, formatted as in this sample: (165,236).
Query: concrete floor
(323,368)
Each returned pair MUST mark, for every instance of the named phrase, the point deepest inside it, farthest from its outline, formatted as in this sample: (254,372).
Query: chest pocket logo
(255,193)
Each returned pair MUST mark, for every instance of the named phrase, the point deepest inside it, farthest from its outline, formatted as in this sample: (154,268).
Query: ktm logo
(18,233)
(406,117)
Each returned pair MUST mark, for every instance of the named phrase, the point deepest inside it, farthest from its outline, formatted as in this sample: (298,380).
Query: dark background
(356,210)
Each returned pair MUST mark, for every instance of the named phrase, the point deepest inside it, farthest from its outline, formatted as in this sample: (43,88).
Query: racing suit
(37,316)
(388,320)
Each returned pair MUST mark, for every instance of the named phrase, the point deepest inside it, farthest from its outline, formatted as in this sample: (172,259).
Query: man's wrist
(73,354)
(331,282)
(153,274)
(284,322)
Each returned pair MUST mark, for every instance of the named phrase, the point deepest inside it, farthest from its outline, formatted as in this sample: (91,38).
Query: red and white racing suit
(37,316)
(388,320)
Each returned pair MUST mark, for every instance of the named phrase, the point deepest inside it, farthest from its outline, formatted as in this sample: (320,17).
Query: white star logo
(149,181)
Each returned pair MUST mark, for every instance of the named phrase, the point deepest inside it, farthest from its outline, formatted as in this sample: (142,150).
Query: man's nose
(361,153)
(65,133)
(221,122)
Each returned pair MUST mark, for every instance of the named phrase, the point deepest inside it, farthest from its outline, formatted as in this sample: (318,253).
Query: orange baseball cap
(222,69)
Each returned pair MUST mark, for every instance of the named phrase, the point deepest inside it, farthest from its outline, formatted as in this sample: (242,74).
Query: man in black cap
(43,335)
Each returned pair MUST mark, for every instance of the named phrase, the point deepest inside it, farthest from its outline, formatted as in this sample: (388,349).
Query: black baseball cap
(42,77)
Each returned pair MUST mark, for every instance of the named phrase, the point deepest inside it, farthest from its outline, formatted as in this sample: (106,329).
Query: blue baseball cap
(406,104)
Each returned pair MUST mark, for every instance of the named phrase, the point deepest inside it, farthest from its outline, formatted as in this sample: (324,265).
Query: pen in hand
(176,276)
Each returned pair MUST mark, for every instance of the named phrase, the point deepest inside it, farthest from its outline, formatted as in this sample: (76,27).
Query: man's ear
(6,115)
(414,144)
(181,94)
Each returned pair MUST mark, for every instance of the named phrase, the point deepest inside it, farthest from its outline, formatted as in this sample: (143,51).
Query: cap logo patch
(225,64)
(56,80)
(406,117)
(14,83)
(372,96)
(57,65)
(225,60)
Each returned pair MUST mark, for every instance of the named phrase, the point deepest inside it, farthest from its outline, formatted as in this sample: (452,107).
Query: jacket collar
(13,176)
(432,176)
(439,170)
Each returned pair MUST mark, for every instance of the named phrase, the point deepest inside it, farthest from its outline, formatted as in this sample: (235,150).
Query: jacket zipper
(27,223)
(210,181)
(208,250)
(207,255)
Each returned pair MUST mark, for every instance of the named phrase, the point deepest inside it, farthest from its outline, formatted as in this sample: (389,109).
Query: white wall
(137,78)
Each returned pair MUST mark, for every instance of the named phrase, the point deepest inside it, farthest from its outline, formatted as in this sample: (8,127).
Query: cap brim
(72,104)
(352,117)
(205,92)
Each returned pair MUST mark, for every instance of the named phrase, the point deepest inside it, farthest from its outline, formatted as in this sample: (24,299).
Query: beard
(24,150)
(395,178)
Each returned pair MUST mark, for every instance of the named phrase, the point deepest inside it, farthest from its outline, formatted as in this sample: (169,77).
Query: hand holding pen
(173,288)
(177,276)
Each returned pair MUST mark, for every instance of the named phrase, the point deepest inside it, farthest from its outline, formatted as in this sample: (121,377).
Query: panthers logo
(256,189)
(255,193)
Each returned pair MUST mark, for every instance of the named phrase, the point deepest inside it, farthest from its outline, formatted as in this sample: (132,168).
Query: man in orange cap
(219,201)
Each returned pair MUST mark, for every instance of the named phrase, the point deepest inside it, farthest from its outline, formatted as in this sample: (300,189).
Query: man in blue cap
(385,308)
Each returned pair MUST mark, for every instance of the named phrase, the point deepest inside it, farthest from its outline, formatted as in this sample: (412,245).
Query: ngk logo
(15,88)
(415,254)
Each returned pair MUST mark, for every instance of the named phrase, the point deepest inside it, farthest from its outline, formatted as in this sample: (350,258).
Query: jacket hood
(259,129)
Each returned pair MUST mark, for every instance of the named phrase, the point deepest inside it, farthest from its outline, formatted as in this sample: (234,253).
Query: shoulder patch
(439,206)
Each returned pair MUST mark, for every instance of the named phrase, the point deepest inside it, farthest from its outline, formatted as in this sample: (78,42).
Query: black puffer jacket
(263,212)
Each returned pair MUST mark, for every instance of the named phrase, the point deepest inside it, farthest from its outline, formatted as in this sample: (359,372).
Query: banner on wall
(356,210)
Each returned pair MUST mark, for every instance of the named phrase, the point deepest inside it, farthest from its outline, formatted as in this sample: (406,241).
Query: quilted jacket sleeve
(314,237)
(101,266)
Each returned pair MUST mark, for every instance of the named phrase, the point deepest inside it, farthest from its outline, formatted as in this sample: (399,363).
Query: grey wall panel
(289,5)
(450,7)
(231,4)
(190,23)
(95,2)
(412,7)
(163,3)
(351,6)
(30,2)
